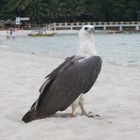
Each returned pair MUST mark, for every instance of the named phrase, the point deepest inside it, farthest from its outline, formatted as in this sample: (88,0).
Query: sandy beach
(115,96)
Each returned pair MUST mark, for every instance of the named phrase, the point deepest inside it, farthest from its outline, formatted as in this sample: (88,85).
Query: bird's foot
(90,115)
(72,115)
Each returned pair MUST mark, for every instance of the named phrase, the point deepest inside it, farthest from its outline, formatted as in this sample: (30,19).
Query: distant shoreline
(65,32)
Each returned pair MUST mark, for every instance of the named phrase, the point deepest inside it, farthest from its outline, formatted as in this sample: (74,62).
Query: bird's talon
(90,115)
(72,115)
(97,115)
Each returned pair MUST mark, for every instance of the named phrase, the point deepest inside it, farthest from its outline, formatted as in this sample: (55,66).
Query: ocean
(117,49)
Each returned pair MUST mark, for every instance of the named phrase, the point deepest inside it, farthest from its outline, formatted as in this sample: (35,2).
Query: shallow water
(120,49)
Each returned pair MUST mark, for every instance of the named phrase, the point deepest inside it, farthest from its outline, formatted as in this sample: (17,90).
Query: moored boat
(113,31)
(42,33)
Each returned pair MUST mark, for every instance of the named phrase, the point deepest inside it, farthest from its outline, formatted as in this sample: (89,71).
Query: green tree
(73,8)
(18,7)
(36,10)
(54,9)
(41,11)
(95,9)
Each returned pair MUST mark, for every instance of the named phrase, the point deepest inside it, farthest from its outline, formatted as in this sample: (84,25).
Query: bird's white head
(86,31)
(87,41)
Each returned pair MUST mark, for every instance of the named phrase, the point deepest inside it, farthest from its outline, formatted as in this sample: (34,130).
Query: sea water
(120,49)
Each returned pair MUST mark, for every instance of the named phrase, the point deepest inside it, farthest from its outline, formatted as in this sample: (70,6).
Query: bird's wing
(77,79)
(72,79)
(50,78)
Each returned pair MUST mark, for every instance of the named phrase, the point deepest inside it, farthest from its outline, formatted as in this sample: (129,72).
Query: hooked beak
(92,30)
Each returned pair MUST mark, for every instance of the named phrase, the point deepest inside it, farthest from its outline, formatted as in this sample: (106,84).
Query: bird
(66,85)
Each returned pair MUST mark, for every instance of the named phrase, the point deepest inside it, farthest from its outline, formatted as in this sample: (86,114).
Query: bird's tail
(27,117)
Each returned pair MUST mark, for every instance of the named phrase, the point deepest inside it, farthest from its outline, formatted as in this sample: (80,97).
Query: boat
(113,31)
(42,33)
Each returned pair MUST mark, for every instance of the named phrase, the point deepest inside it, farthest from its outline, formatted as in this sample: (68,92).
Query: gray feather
(65,84)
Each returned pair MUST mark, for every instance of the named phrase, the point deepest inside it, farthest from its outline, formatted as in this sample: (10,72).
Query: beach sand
(115,96)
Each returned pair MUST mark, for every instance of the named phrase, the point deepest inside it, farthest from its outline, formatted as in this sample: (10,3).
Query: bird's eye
(86,28)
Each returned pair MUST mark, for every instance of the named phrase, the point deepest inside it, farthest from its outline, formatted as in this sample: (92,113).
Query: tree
(95,9)
(36,10)
(54,9)
(73,8)
(41,11)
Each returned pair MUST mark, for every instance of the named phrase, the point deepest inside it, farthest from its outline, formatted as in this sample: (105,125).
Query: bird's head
(87,41)
(86,31)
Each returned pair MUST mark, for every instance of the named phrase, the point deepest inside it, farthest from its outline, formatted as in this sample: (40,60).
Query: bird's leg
(83,111)
(81,103)
(73,110)
(74,105)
